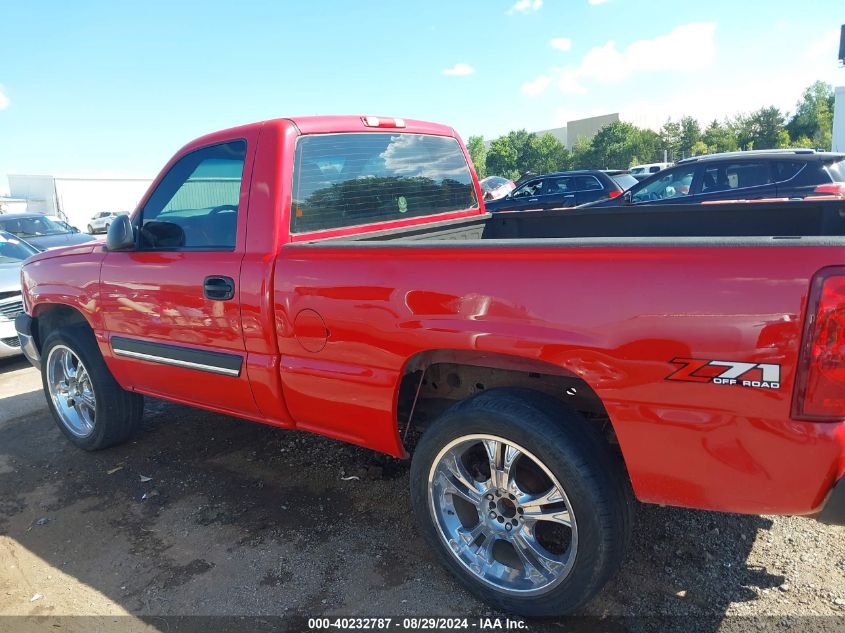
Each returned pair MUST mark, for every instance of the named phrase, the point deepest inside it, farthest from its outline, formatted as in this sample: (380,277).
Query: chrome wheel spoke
(459,476)
(538,564)
(87,400)
(469,535)
(553,495)
(68,366)
(457,488)
(501,457)
(556,515)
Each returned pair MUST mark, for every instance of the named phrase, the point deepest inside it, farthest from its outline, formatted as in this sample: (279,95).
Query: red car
(340,275)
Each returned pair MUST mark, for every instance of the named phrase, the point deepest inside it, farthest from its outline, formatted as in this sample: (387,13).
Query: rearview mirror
(121,235)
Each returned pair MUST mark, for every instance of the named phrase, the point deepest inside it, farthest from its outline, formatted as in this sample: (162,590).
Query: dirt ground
(207,515)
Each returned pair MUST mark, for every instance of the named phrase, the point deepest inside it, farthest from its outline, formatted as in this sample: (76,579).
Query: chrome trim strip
(177,363)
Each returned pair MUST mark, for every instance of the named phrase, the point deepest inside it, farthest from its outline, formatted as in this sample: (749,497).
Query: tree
(670,138)
(619,145)
(501,158)
(547,154)
(478,154)
(521,151)
(719,138)
(699,148)
(762,129)
(813,118)
(690,134)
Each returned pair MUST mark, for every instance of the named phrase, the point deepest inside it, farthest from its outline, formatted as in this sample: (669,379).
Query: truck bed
(819,222)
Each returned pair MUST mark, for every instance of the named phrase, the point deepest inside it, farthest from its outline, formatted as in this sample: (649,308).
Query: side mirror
(121,235)
(74,229)
(627,197)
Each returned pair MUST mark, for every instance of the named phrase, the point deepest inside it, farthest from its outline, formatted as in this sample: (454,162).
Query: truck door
(171,315)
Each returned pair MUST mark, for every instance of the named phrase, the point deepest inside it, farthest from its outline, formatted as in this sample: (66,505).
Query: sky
(115,88)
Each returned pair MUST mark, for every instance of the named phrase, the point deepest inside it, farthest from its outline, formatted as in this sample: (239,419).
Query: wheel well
(52,317)
(427,390)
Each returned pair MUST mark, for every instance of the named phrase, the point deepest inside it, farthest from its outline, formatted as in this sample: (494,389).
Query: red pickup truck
(340,275)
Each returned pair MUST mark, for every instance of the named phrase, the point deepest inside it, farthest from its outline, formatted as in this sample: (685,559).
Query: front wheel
(90,230)
(88,405)
(522,501)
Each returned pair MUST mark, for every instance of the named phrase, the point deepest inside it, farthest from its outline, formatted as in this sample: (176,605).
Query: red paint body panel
(698,445)
(615,316)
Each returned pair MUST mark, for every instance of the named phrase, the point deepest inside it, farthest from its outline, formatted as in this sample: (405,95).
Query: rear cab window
(353,179)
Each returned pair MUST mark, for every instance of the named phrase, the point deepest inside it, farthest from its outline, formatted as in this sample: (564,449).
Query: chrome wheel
(71,391)
(502,514)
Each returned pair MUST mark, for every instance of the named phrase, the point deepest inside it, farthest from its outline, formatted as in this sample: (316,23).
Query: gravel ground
(207,515)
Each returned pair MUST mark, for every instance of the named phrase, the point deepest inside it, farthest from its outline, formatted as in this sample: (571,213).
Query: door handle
(218,288)
(532,199)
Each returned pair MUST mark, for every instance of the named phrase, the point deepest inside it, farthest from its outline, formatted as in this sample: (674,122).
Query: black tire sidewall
(581,465)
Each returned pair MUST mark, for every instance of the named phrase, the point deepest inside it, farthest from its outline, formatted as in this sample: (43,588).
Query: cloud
(537,86)
(686,48)
(561,43)
(4,100)
(525,6)
(459,70)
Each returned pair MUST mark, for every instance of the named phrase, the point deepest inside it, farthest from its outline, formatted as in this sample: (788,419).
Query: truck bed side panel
(615,316)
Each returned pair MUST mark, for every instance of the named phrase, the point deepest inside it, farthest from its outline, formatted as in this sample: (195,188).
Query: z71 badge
(727,372)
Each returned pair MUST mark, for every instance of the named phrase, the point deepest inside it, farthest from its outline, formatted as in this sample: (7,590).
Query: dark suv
(563,189)
(749,175)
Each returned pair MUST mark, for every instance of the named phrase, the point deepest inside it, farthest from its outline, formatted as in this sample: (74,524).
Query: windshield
(12,250)
(33,226)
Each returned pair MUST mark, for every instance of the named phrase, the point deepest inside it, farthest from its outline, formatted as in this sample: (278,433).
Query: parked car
(100,222)
(42,232)
(741,176)
(537,379)
(622,177)
(641,172)
(13,252)
(560,190)
(495,187)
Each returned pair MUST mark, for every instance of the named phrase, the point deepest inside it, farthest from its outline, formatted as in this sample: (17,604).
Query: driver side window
(532,188)
(674,183)
(195,206)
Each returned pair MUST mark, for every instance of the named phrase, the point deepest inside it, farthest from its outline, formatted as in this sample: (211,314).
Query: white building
(839,120)
(77,199)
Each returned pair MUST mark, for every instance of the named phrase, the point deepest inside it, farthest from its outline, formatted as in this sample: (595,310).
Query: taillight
(820,381)
(614,194)
(831,189)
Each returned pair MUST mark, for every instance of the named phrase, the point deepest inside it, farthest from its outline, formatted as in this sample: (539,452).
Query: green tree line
(620,145)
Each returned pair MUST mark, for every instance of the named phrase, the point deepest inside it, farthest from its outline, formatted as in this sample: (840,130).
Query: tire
(108,418)
(106,230)
(90,230)
(556,446)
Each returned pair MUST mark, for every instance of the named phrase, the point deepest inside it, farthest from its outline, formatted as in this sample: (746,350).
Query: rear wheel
(88,405)
(522,501)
